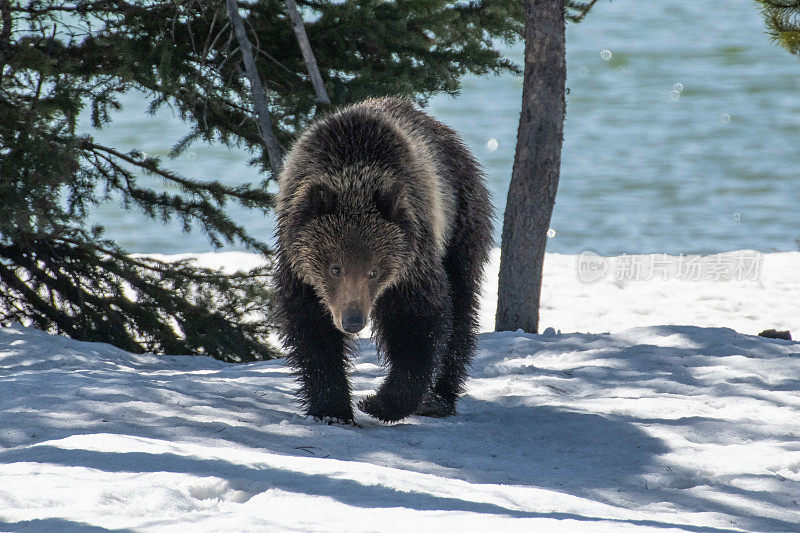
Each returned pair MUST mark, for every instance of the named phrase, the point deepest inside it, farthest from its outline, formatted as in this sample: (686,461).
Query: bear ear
(391,202)
(318,200)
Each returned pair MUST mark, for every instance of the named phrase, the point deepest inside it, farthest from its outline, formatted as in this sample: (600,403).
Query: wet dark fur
(425,318)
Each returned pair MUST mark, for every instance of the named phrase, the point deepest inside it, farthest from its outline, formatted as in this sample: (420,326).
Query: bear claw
(334,420)
(435,406)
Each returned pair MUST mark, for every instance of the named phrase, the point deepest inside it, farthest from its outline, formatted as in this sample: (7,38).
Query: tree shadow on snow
(54,524)
(511,440)
(253,480)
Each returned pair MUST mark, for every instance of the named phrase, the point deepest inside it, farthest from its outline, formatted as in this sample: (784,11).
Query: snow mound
(664,428)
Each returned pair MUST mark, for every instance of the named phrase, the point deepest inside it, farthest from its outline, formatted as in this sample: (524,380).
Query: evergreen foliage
(783,22)
(577,10)
(62,58)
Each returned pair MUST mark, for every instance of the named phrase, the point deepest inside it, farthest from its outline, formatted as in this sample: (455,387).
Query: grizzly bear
(382,217)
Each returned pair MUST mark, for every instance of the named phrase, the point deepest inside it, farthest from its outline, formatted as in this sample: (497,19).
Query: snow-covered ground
(744,290)
(673,427)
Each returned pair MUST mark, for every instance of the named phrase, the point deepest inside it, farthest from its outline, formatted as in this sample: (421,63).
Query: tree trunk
(260,104)
(537,163)
(308,54)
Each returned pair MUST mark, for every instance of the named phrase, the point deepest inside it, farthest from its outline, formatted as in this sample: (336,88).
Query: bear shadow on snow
(383,216)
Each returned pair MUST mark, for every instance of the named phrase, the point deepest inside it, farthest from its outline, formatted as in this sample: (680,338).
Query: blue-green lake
(682,136)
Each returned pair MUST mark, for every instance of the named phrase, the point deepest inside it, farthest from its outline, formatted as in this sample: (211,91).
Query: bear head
(351,244)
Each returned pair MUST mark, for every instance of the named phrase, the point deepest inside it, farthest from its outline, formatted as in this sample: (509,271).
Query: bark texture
(308,54)
(537,164)
(260,103)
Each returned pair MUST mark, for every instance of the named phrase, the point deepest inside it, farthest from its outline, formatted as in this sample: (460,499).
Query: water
(683,138)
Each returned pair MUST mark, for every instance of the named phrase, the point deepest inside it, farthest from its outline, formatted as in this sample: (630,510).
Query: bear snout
(353,320)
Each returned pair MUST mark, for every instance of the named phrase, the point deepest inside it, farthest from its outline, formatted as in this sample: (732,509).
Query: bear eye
(336,271)
(373,273)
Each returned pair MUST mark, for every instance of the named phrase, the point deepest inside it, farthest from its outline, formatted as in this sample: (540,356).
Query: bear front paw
(380,407)
(332,415)
(334,420)
(435,406)
(373,406)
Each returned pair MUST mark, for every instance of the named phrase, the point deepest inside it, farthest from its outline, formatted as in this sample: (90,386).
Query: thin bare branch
(214,42)
(260,103)
(308,54)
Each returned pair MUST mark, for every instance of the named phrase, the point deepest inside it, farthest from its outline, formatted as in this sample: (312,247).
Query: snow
(766,298)
(652,427)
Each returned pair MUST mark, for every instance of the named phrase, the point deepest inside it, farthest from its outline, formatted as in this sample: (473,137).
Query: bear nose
(353,321)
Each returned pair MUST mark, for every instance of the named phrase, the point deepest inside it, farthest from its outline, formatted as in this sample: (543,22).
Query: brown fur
(382,212)
(413,183)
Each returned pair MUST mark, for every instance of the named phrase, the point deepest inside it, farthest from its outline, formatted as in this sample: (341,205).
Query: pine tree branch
(216,189)
(783,22)
(260,104)
(81,7)
(154,265)
(284,67)
(308,54)
(62,321)
(87,301)
(582,9)
(85,294)
(212,220)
